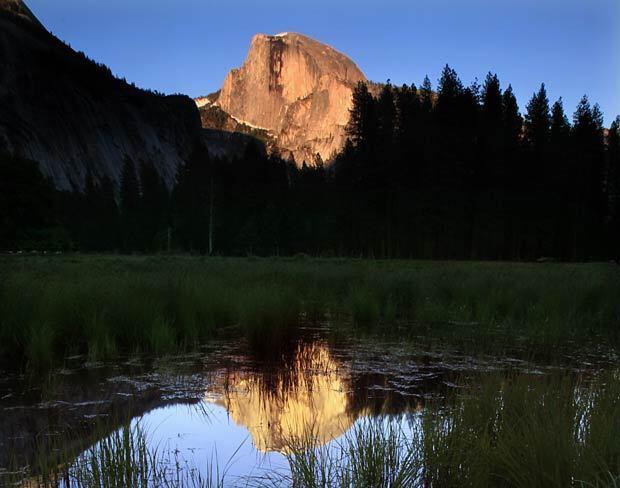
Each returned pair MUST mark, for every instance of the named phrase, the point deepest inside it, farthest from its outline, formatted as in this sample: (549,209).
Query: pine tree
(384,174)
(109,217)
(538,121)
(613,187)
(588,183)
(153,208)
(386,122)
(428,149)
(512,121)
(535,169)
(450,121)
(408,136)
(492,132)
(191,200)
(26,205)
(426,95)
(559,139)
(450,86)
(492,101)
(560,126)
(362,125)
(89,229)
(557,176)
(129,206)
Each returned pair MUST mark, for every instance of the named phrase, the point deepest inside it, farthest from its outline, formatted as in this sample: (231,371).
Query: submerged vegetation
(54,306)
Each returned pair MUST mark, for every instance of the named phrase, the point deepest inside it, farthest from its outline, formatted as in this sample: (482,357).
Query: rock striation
(74,117)
(295,89)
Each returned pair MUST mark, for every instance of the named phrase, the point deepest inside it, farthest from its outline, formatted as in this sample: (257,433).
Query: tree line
(452,172)
(460,173)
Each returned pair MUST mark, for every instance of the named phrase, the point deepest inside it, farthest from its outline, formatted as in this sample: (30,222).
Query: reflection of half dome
(308,398)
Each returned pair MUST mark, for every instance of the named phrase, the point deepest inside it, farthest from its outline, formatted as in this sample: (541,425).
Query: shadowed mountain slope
(73,116)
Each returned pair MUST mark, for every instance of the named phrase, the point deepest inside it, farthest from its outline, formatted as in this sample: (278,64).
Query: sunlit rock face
(307,402)
(297,89)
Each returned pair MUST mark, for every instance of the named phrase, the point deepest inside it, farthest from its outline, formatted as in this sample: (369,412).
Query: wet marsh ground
(187,371)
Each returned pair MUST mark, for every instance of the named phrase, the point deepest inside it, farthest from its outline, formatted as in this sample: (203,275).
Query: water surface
(236,410)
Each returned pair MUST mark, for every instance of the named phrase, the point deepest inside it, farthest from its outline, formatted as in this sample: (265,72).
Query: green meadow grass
(103,305)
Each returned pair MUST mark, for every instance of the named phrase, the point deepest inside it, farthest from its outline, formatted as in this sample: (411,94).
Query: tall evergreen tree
(191,201)
(362,125)
(386,109)
(426,95)
(560,125)
(535,164)
(450,86)
(538,121)
(26,205)
(108,214)
(97,215)
(613,187)
(512,120)
(449,126)
(559,139)
(427,132)
(408,135)
(588,183)
(129,206)
(153,208)
(492,132)
(385,167)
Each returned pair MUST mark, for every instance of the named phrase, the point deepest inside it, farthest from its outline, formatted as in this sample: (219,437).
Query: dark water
(230,407)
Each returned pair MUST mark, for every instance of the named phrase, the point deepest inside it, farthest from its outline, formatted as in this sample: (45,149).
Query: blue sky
(188,46)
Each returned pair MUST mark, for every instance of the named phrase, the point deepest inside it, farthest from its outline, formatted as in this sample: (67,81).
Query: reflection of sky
(208,438)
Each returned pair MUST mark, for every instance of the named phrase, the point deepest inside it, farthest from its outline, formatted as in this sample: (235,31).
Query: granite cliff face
(73,117)
(295,89)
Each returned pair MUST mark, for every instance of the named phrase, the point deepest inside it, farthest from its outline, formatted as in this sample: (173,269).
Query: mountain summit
(296,90)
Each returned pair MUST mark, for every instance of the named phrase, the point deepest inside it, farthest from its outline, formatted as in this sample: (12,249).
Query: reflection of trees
(305,391)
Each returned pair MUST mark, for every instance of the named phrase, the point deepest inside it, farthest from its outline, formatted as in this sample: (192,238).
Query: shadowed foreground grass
(517,431)
(102,305)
